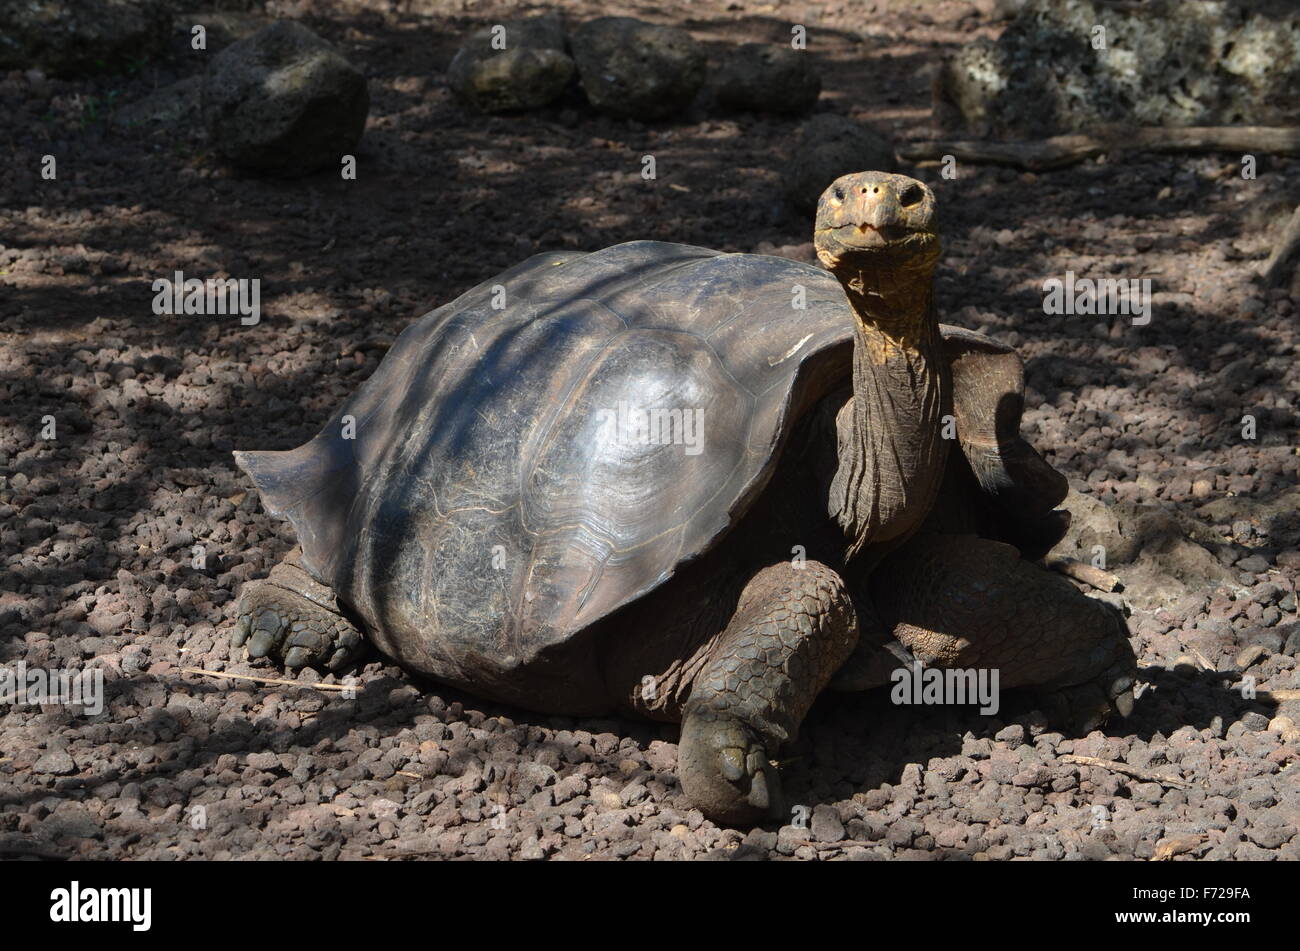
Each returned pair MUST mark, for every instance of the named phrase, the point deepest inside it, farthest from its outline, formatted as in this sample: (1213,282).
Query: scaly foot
(292,618)
(724,769)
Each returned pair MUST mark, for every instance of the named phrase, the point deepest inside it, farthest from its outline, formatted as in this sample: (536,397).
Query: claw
(262,643)
(1122,691)
(758,796)
(733,763)
(901,653)
(297,657)
(240,634)
(308,639)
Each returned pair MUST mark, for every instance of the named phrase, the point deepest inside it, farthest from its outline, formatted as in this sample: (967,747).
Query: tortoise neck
(891,449)
(892,315)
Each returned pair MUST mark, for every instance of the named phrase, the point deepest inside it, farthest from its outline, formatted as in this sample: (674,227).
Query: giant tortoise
(691,486)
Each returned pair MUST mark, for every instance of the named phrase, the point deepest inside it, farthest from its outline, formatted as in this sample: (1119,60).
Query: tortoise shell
(492,492)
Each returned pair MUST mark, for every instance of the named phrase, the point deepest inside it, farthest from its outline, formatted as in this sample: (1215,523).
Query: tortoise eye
(912,195)
(839,194)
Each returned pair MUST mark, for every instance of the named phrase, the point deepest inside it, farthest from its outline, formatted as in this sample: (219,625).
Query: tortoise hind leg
(958,601)
(792,629)
(295,619)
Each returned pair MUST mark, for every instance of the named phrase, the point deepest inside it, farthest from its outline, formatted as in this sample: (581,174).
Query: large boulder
(72,37)
(530,70)
(638,70)
(1165,62)
(283,101)
(759,77)
(830,146)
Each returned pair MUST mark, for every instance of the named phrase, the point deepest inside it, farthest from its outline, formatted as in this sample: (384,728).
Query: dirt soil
(100,523)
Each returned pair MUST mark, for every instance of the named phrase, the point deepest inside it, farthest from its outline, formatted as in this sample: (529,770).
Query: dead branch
(1088,574)
(1181,845)
(1127,770)
(262,680)
(1061,150)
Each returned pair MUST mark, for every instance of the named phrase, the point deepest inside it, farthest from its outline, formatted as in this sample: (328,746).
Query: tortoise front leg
(792,629)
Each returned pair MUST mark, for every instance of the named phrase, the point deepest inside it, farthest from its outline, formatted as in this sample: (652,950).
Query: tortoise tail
(313,487)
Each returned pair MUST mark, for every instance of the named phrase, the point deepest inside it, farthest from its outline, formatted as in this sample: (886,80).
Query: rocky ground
(100,523)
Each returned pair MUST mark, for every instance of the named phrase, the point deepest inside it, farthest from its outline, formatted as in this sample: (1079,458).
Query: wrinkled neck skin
(891,451)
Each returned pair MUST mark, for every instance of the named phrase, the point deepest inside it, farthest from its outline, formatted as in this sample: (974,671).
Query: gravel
(125,538)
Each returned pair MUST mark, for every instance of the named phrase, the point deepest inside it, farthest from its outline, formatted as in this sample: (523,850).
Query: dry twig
(1168,848)
(264,680)
(1088,574)
(1117,767)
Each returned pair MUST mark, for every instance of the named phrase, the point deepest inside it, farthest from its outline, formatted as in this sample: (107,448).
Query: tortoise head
(877,230)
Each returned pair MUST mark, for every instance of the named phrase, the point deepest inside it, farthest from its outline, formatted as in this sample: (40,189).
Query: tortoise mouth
(864,235)
(890,241)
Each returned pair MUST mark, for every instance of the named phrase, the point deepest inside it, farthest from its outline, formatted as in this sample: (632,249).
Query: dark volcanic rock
(638,70)
(284,101)
(759,77)
(67,37)
(74,37)
(830,146)
(530,70)
(1164,62)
